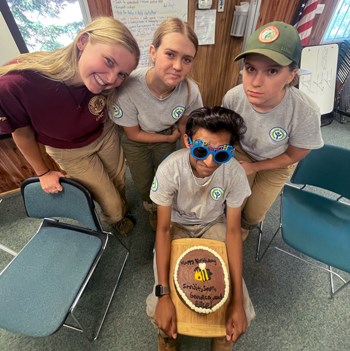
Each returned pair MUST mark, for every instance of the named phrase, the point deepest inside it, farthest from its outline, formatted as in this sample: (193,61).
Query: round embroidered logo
(178,112)
(96,106)
(216,193)
(117,112)
(278,134)
(269,34)
(154,186)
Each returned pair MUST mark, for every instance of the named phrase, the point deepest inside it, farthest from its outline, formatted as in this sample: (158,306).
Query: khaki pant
(265,187)
(143,159)
(215,232)
(100,166)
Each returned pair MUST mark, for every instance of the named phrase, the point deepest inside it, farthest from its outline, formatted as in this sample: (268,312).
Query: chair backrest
(74,202)
(327,168)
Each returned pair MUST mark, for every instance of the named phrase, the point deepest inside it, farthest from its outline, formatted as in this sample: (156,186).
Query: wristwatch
(161,290)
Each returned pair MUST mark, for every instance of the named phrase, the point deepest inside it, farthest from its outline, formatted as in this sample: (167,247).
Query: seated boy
(192,188)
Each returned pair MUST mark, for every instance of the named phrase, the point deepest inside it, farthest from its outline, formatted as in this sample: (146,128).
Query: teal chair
(41,286)
(315,211)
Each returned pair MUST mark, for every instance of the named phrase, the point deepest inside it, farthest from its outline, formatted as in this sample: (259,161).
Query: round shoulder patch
(117,112)
(154,186)
(269,34)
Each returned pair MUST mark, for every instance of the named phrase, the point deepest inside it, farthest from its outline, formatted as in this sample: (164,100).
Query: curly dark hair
(216,119)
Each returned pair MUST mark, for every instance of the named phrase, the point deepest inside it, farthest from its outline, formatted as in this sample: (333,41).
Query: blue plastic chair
(315,211)
(42,285)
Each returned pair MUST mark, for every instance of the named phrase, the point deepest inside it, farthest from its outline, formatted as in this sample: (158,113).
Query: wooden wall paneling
(14,168)
(321,21)
(277,10)
(214,69)
(100,8)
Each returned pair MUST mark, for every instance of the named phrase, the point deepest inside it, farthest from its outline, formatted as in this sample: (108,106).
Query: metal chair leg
(258,245)
(329,270)
(9,251)
(334,291)
(257,256)
(331,281)
(111,297)
(78,327)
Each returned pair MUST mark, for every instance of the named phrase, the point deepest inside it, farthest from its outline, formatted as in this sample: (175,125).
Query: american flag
(305,18)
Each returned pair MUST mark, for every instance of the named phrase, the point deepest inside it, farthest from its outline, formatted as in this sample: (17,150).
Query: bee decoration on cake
(201,273)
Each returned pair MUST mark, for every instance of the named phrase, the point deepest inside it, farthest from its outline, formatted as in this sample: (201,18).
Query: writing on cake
(201,279)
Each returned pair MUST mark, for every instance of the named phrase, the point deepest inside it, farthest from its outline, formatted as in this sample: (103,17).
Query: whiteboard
(142,17)
(319,84)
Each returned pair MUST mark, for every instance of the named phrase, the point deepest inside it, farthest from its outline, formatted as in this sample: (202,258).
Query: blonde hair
(174,25)
(62,64)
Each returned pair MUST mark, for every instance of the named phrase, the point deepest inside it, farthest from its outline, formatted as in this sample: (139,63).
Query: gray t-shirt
(136,105)
(198,201)
(294,121)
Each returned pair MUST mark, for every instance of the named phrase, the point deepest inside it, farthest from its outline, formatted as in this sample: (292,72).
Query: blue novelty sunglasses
(200,151)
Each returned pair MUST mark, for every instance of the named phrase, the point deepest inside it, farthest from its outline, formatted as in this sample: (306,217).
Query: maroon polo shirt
(62,116)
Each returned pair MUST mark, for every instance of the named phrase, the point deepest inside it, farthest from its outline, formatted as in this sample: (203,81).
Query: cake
(201,279)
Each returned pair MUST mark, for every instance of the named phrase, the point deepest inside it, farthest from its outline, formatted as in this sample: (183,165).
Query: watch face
(161,290)
(158,290)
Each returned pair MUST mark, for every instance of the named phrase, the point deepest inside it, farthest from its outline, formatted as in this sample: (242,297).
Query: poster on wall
(143,17)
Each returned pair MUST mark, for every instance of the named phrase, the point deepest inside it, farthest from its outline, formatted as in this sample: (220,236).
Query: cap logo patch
(269,34)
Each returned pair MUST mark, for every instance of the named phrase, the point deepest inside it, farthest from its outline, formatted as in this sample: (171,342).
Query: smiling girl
(283,124)
(60,99)
(152,106)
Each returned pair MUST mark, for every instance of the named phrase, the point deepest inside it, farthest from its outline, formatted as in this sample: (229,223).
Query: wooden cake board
(190,322)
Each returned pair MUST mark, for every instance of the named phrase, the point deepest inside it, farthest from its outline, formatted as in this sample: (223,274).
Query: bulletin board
(143,17)
(320,62)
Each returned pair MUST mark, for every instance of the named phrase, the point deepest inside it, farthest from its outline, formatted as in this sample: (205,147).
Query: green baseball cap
(277,40)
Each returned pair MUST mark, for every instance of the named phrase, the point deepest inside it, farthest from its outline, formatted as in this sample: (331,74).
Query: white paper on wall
(204,26)
(142,17)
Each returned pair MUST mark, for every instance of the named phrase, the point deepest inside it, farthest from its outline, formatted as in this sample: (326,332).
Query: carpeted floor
(290,298)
